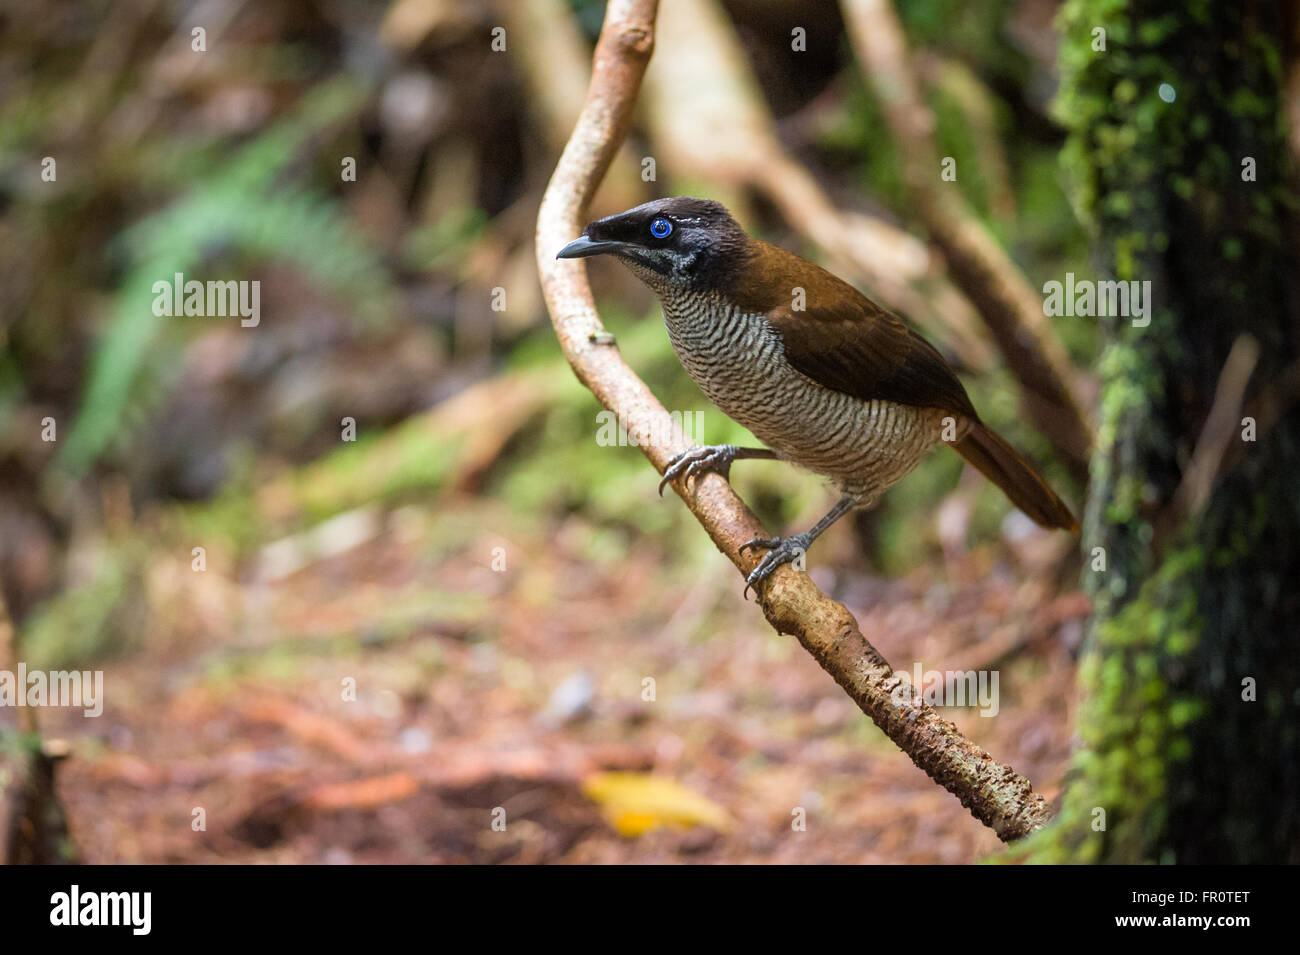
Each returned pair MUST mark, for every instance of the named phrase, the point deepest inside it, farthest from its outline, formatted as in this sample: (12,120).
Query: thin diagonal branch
(995,794)
(1221,425)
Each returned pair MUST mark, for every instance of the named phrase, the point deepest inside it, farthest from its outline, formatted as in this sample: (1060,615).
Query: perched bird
(818,372)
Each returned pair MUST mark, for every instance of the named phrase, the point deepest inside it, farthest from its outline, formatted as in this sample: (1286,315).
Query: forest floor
(487,694)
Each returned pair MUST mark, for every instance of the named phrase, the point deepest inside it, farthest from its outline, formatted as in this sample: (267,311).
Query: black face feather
(702,243)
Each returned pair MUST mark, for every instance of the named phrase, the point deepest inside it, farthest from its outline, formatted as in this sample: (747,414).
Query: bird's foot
(780,550)
(700,460)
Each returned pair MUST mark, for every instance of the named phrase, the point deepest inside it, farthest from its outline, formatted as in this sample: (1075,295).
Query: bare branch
(994,793)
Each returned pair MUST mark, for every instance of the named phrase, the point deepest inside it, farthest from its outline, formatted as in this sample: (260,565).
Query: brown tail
(1004,466)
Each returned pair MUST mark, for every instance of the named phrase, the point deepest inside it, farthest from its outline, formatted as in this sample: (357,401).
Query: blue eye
(660,228)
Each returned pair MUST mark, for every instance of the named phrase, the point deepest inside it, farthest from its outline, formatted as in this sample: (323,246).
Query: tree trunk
(1190,720)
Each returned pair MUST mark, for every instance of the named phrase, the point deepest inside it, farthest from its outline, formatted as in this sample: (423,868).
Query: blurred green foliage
(96,619)
(236,211)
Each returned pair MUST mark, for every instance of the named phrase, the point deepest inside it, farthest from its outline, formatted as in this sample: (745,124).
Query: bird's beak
(582,247)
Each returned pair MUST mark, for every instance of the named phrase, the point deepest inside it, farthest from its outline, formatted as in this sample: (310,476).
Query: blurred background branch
(1010,308)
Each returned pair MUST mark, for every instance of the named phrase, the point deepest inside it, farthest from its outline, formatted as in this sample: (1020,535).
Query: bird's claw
(767,543)
(699,460)
(779,551)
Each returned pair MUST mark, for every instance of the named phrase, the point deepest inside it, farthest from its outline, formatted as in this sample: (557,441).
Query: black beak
(582,247)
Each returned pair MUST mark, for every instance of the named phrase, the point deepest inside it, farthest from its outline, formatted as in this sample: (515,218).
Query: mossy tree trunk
(1190,720)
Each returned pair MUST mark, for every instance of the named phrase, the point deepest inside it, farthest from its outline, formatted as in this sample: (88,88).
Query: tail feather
(1007,468)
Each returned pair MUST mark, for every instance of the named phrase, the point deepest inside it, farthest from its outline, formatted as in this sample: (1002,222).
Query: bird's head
(677,243)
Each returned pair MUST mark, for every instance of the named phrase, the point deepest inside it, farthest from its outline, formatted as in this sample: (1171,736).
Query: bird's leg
(709,457)
(784,550)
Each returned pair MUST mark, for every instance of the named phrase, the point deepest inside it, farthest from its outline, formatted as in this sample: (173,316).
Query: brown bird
(822,375)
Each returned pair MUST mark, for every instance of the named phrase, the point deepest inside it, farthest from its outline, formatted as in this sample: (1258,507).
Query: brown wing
(846,342)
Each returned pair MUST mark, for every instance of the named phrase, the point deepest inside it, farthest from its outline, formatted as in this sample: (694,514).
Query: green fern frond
(239,209)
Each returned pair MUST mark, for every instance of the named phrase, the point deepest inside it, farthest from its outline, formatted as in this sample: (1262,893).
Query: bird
(823,376)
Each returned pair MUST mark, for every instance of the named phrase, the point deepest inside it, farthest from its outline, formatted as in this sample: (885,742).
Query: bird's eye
(660,228)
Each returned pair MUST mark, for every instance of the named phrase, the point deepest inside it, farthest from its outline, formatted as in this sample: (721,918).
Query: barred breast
(738,361)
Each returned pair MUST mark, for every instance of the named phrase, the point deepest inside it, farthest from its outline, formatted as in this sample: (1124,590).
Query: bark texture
(1191,721)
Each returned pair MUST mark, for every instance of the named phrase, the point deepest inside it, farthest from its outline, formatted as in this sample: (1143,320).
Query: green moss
(1132,725)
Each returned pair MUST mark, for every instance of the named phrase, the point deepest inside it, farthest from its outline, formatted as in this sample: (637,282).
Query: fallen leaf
(636,803)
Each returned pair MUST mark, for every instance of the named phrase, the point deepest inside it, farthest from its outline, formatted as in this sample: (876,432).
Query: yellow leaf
(635,803)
